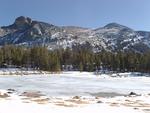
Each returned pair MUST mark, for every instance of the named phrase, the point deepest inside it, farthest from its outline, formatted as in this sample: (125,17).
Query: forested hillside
(82,59)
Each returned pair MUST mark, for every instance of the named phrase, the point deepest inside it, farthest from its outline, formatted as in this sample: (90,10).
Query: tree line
(81,59)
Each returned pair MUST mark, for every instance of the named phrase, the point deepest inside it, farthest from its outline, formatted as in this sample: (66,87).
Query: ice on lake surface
(62,85)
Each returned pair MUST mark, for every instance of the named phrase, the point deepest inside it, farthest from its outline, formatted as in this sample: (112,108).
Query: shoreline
(28,72)
(34,101)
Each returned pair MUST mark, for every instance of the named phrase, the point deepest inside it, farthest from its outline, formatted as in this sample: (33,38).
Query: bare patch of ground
(4,95)
(32,94)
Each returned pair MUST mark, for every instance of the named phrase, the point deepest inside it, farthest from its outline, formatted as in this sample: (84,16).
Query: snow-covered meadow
(75,92)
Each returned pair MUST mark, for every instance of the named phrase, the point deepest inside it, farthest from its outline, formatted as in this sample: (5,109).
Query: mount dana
(112,37)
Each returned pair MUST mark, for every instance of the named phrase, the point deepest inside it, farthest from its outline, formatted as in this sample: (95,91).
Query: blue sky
(85,13)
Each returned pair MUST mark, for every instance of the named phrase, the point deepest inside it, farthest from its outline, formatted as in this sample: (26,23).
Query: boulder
(133,94)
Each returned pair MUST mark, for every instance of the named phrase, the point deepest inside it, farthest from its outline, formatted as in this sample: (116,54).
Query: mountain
(112,37)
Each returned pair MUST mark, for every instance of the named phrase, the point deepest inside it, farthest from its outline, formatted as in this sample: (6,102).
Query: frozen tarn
(72,84)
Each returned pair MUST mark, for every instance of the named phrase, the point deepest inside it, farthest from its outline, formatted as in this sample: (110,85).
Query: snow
(16,106)
(62,87)
(20,71)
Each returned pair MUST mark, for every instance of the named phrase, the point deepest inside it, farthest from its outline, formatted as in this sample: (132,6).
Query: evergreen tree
(81,67)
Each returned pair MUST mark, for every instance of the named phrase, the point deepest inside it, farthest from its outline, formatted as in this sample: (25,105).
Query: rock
(76,97)
(11,90)
(136,108)
(99,102)
(23,22)
(133,94)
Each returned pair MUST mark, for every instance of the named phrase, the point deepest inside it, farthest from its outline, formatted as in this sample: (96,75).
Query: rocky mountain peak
(114,25)
(23,22)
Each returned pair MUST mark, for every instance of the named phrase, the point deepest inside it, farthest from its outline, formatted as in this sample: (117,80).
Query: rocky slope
(112,37)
